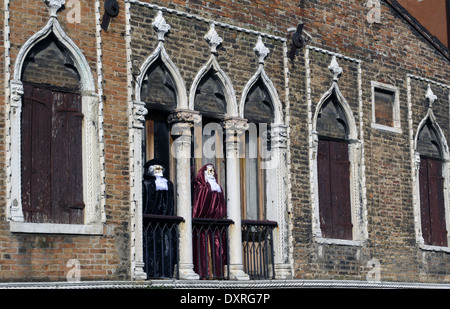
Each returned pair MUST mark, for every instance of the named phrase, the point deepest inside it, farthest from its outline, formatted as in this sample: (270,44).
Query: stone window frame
(183,119)
(445,173)
(396,127)
(94,213)
(358,209)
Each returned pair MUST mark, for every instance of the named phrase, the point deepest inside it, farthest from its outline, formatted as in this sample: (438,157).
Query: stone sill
(377,126)
(343,242)
(52,228)
(434,248)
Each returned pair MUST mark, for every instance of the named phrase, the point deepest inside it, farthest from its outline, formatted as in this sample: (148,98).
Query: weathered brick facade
(393,51)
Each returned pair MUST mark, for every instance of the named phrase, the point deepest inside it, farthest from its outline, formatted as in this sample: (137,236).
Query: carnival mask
(209,173)
(156,170)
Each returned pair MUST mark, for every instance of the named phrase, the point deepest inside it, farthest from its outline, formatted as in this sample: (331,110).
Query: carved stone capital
(278,135)
(182,121)
(184,115)
(235,125)
(16,92)
(139,113)
(417,161)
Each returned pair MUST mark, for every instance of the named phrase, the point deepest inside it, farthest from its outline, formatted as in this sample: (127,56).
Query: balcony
(210,247)
(258,253)
(160,238)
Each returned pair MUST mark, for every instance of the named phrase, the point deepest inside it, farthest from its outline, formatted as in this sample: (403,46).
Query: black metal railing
(258,252)
(210,247)
(160,237)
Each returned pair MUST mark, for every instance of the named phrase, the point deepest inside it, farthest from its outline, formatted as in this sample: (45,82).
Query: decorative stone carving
(16,92)
(238,125)
(160,26)
(213,39)
(430,96)
(139,112)
(335,69)
(54,6)
(278,135)
(261,50)
(182,122)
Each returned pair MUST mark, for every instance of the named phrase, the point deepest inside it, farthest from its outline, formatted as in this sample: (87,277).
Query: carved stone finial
(54,6)
(430,96)
(213,38)
(261,50)
(335,69)
(160,26)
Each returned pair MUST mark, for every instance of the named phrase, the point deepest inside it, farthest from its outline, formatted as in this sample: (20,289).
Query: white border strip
(215,284)
(206,20)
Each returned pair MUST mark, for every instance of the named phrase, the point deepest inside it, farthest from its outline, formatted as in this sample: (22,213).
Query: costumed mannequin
(158,191)
(209,202)
(159,242)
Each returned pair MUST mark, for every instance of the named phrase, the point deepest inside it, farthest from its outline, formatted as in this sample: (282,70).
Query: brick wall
(388,51)
(41,257)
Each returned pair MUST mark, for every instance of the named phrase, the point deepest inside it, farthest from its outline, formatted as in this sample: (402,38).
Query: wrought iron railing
(210,248)
(258,252)
(161,245)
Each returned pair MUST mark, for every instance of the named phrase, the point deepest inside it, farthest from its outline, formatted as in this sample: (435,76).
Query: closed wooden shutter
(334,189)
(36,133)
(52,180)
(432,208)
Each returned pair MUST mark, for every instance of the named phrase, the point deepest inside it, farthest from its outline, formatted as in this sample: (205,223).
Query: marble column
(139,112)
(182,122)
(277,182)
(234,129)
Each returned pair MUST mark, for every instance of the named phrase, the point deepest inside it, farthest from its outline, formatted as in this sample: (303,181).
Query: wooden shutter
(52,179)
(323,173)
(35,153)
(340,189)
(431,184)
(67,194)
(334,189)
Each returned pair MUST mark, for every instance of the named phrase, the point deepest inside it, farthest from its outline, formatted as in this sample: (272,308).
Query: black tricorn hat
(151,162)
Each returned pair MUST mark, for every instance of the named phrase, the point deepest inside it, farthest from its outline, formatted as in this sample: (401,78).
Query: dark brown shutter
(52,177)
(334,189)
(35,158)
(67,158)
(432,205)
(323,171)
(340,185)
(424,201)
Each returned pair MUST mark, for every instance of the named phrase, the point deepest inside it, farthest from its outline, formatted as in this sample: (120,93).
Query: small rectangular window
(385,107)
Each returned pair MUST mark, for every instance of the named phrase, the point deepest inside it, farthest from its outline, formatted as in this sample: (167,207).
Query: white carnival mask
(160,181)
(209,177)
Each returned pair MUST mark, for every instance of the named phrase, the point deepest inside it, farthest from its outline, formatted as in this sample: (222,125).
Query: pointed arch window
(55,128)
(258,111)
(431,177)
(333,172)
(336,169)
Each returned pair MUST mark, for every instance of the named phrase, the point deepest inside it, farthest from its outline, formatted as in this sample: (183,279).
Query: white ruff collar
(214,185)
(161,183)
